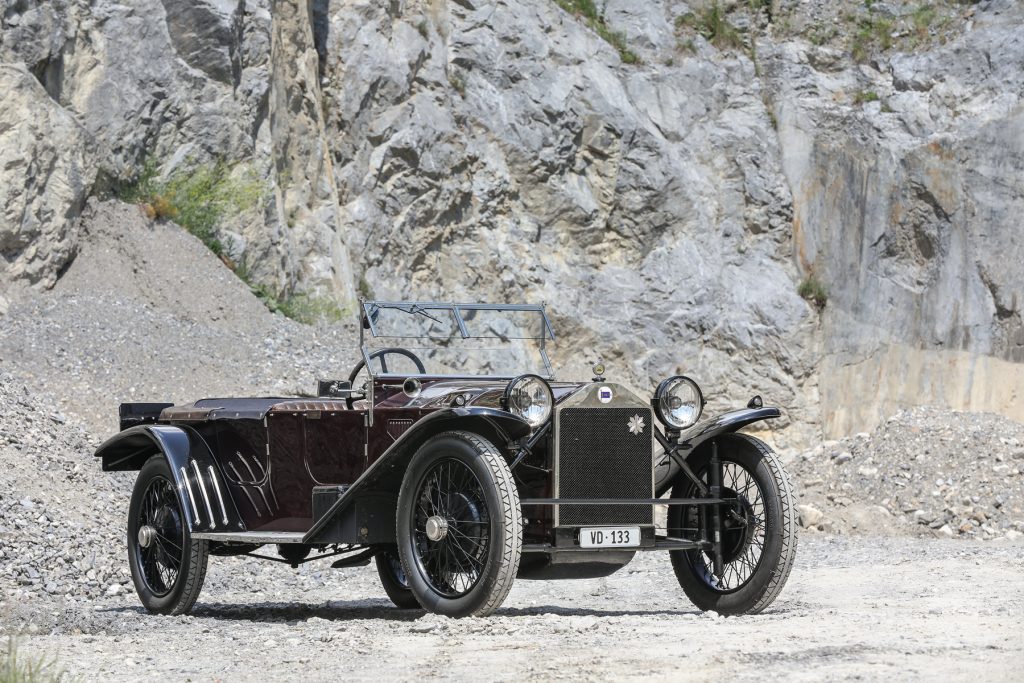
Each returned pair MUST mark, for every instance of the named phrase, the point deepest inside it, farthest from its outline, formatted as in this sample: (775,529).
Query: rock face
(666,209)
(908,208)
(305,191)
(503,151)
(46,171)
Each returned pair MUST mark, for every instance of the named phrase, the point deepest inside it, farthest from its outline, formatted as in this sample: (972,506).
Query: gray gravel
(61,521)
(147,313)
(925,471)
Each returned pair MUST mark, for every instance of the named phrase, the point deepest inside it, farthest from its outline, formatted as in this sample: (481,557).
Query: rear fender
(201,486)
(383,478)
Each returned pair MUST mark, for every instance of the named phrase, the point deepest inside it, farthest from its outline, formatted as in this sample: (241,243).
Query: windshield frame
(368,320)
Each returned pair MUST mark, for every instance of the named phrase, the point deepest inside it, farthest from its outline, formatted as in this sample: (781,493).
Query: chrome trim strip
(661,543)
(191,495)
(216,488)
(524,502)
(259,513)
(206,496)
(250,536)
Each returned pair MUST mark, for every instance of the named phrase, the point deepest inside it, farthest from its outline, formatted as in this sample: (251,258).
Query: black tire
(480,509)
(167,576)
(393,578)
(759,553)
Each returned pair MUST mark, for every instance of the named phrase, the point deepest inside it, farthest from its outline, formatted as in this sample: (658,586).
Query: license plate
(610,537)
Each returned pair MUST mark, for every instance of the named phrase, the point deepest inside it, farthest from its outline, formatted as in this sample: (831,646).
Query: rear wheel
(394,580)
(758,531)
(459,526)
(167,566)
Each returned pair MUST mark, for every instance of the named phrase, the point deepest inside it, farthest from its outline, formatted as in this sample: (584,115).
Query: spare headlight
(678,402)
(529,397)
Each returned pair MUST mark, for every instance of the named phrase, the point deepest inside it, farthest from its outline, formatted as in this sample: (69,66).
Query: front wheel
(459,526)
(758,531)
(167,566)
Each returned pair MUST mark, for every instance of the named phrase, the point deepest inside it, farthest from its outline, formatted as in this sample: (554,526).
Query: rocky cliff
(669,176)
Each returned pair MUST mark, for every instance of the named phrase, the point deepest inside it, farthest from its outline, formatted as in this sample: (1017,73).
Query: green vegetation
(922,19)
(588,12)
(307,308)
(423,28)
(19,669)
(872,33)
(813,290)
(864,30)
(196,199)
(199,199)
(865,96)
(363,287)
(711,22)
(820,35)
(458,83)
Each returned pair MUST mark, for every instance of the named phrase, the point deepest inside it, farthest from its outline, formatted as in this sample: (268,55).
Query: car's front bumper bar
(660,543)
(625,501)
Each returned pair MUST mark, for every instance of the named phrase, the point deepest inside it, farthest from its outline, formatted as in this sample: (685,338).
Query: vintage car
(458,473)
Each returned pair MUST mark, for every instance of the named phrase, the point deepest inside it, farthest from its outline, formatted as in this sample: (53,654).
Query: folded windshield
(459,339)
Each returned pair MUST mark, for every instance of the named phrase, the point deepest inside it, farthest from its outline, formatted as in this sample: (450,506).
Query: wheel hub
(147,535)
(437,528)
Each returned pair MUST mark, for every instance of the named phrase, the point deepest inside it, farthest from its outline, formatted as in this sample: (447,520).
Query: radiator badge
(636,425)
(604,394)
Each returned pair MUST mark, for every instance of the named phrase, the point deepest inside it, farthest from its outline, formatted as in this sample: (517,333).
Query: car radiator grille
(598,457)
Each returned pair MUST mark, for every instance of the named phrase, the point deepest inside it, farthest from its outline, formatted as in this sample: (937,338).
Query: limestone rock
(810,516)
(506,153)
(908,212)
(46,173)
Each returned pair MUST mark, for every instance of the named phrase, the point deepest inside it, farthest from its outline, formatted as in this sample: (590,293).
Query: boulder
(46,172)
(809,516)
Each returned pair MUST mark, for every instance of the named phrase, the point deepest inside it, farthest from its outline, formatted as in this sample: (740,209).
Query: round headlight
(529,397)
(678,402)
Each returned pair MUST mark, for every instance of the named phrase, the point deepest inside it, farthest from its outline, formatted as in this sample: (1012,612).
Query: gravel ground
(875,608)
(146,313)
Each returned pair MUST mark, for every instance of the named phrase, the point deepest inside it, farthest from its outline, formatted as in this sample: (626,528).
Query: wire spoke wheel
(161,557)
(167,566)
(451,528)
(756,528)
(743,530)
(459,526)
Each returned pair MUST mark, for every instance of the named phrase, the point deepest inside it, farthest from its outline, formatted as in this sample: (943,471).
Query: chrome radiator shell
(598,454)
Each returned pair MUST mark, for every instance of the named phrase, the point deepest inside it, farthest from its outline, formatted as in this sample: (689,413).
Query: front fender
(704,432)
(202,491)
(726,423)
(385,475)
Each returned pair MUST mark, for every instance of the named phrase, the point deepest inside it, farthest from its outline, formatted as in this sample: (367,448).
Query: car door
(335,443)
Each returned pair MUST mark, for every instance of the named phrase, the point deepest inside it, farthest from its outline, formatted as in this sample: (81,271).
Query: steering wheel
(382,353)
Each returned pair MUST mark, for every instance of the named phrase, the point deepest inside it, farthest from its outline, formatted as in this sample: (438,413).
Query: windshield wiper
(414,309)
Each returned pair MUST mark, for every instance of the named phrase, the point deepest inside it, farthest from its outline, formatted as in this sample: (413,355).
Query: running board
(254,537)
